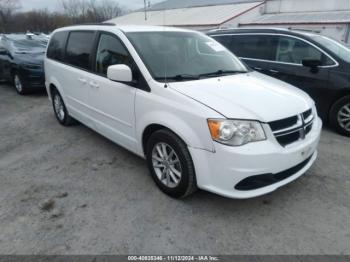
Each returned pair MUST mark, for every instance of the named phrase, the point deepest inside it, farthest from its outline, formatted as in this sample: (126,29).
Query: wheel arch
(187,133)
(341,94)
(52,85)
(152,128)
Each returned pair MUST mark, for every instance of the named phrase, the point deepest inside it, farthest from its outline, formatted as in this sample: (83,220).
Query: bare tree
(74,11)
(7,8)
(74,8)
(106,9)
(91,10)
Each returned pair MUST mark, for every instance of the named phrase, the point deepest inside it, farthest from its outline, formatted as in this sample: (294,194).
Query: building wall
(339,32)
(244,18)
(234,22)
(288,6)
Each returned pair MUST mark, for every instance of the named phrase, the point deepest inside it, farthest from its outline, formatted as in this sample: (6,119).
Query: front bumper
(221,171)
(33,79)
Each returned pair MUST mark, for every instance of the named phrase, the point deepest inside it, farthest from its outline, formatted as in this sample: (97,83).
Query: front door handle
(257,68)
(93,84)
(82,80)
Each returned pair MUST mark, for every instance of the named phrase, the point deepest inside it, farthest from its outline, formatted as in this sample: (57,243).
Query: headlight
(236,132)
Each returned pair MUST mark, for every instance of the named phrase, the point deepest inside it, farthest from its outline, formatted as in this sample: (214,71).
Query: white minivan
(181,100)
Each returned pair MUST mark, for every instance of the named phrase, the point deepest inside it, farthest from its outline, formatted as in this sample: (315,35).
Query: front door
(287,66)
(112,102)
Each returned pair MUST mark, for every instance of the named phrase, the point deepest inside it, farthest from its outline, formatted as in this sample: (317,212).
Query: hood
(251,96)
(30,58)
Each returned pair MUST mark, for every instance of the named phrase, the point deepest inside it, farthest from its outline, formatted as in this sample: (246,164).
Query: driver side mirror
(313,64)
(119,73)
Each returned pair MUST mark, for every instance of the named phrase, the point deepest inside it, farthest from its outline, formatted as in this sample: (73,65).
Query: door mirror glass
(312,63)
(119,73)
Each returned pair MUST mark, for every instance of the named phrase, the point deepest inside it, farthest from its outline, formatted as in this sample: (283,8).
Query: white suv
(181,100)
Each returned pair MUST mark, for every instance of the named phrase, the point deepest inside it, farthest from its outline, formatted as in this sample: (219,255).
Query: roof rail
(249,28)
(97,24)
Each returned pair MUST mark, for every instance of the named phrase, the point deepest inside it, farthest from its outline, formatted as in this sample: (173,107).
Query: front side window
(179,56)
(334,46)
(293,50)
(79,49)
(111,52)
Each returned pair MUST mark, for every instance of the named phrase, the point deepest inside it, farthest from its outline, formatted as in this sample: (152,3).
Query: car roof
(124,28)
(262,30)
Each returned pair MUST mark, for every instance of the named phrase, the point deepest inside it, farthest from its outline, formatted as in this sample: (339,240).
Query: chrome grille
(292,129)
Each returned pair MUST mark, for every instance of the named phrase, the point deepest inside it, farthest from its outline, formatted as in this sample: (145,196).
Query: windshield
(180,56)
(336,47)
(29,46)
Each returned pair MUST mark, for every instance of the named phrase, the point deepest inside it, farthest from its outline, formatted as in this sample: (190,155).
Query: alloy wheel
(166,165)
(59,107)
(344,117)
(18,84)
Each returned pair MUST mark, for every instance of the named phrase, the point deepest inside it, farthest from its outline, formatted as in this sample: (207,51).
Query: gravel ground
(71,191)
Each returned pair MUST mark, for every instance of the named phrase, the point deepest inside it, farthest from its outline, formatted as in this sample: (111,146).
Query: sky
(54,5)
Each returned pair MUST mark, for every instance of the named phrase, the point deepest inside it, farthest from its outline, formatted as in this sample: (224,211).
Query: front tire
(340,116)
(18,83)
(170,164)
(60,110)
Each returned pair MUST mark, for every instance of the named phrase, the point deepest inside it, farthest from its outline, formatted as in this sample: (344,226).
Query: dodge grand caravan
(186,104)
(315,63)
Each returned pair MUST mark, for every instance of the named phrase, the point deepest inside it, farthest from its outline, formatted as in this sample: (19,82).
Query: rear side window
(56,47)
(251,46)
(79,49)
(225,40)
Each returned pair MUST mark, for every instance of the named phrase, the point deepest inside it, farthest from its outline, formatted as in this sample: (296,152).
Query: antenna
(145,3)
(165,59)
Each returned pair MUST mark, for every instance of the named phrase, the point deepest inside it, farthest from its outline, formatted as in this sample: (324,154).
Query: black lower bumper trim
(259,181)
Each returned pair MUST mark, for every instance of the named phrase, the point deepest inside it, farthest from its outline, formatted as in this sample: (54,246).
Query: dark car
(315,63)
(22,61)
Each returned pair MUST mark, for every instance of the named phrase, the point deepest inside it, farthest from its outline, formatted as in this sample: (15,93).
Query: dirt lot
(71,191)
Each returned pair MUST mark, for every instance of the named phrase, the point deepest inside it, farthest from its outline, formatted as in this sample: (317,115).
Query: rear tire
(170,164)
(340,116)
(60,110)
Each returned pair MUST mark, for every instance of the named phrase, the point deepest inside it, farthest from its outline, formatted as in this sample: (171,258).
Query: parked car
(22,60)
(315,63)
(181,100)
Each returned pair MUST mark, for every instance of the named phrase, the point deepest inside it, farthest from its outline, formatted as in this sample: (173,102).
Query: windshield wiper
(179,78)
(222,73)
